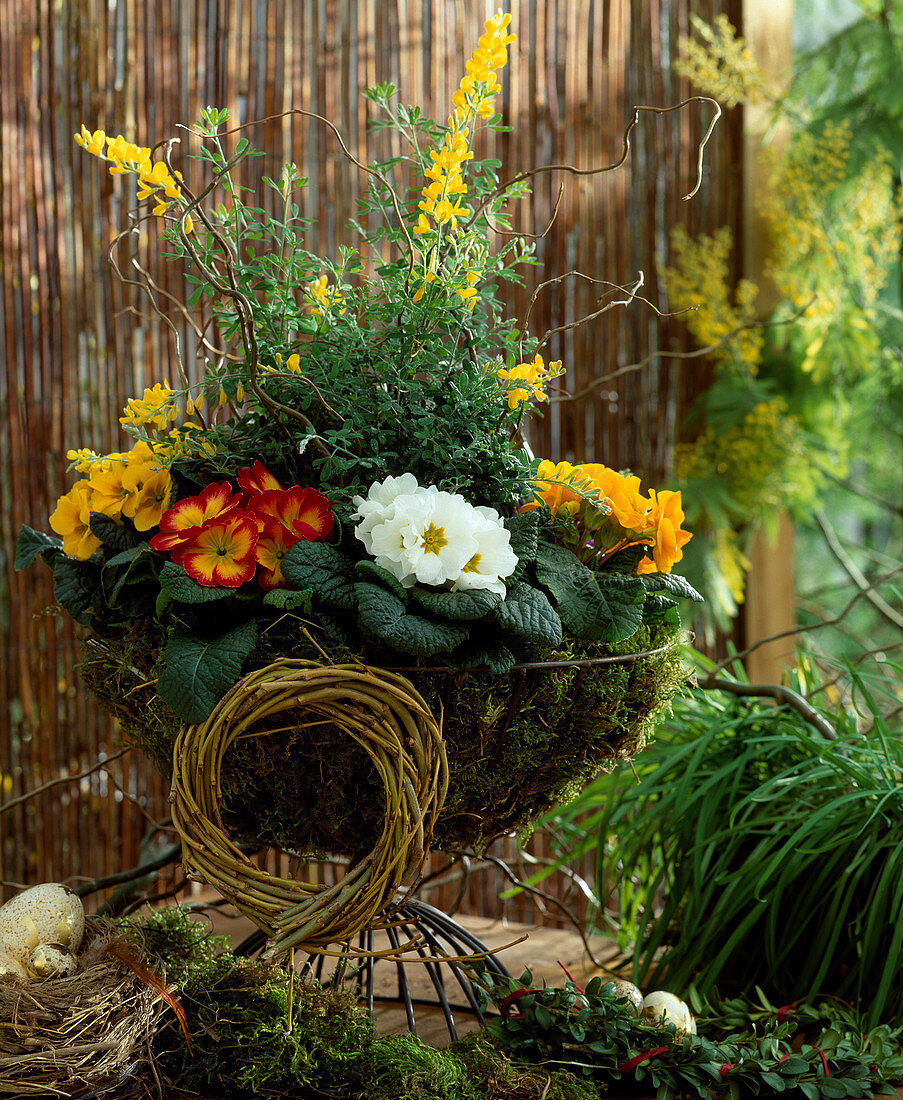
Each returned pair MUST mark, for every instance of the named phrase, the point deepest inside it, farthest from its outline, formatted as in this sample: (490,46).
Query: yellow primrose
(70,521)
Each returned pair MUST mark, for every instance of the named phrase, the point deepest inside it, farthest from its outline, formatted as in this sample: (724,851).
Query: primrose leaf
(475,603)
(31,544)
(524,529)
(176,583)
(369,570)
(320,567)
(77,585)
(385,616)
(603,607)
(527,613)
(286,599)
(198,672)
(671,582)
(115,536)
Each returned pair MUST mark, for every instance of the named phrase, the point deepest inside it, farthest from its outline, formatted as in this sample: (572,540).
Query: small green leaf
(459,606)
(286,599)
(320,567)
(528,614)
(176,583)
(198,672)
(384,616)
(30,544)
(671,582)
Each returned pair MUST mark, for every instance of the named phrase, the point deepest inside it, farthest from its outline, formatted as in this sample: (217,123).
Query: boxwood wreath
(347,483)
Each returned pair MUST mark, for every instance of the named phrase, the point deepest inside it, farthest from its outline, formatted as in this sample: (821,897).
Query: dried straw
(384,714)
(68,1036)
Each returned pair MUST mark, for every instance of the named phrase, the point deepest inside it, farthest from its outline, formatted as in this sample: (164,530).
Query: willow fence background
(78,344)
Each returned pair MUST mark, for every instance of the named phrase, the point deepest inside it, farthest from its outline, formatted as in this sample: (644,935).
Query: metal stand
(442,939)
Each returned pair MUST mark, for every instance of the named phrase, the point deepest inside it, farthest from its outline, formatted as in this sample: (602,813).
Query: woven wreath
(387,717)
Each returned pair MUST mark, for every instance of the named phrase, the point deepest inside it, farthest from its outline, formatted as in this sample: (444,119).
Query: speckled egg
(10,967)
(49,913)
(51,960)
(631,992)
(661,1007)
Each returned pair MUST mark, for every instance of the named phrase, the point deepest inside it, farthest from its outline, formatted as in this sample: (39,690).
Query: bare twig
(625,152)
(784,695)
(697,353)
(537,893)
(168,855)
(802,629)
(853,571)
(62,779)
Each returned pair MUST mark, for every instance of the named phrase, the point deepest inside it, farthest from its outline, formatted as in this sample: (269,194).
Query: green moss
(518,743)
(237,1016)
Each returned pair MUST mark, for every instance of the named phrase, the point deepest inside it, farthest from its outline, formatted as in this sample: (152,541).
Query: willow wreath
(384,714)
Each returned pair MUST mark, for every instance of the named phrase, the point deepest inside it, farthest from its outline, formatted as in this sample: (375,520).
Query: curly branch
(625,152)
(854,572)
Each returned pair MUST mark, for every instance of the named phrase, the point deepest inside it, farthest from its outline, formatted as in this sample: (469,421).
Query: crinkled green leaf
(604,607)
(459,606)
(176,583)
(524,529)
(286,599)
(77,585)
(127,569)
(115,536)
(671,582)
(369,570)
(320,567)
(527,613)
(30,544)
(198,672)
(488,653)
(384,616)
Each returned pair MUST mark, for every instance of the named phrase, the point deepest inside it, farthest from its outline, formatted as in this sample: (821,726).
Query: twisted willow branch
(389,719)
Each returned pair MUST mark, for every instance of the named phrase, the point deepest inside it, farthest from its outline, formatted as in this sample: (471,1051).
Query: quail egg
(661,1007)
(49,913)
(51,960)
(631,992)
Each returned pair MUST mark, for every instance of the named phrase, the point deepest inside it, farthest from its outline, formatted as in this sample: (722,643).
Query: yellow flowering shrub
(720,63)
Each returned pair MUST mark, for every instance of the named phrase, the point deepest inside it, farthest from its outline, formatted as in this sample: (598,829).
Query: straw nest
(78,1035)
(378,710)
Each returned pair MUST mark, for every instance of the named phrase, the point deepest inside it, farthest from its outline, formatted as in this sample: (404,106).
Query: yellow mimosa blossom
(526,381)
(70,521)
(320,297)
(155,407)
(720,63)
(125,158)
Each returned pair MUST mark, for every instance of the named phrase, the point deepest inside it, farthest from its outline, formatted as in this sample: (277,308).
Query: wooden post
(770,592)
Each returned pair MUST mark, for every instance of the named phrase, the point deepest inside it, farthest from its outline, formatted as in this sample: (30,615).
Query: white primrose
(422,535)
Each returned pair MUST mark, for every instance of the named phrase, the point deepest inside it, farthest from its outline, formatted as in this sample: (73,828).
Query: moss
(237,1014)
(518,743)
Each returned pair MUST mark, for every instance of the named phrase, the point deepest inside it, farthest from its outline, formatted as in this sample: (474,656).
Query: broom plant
(751,850)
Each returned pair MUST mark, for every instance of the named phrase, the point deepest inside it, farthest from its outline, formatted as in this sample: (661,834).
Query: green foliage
(595,606)
(741,1049)
(31,544)
(760,853)
(198,671)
